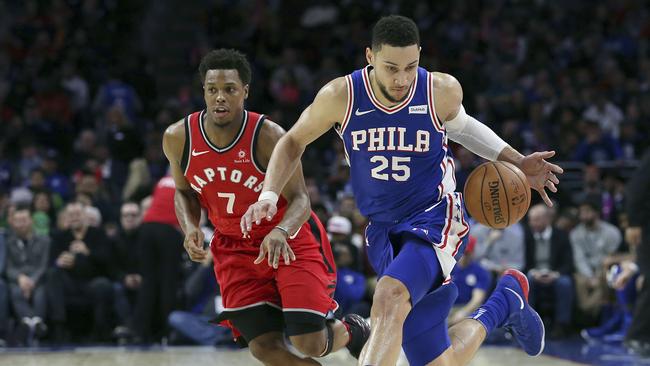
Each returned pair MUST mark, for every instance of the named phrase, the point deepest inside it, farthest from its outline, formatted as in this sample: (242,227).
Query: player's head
(225,74)
(589,209)
(394,55)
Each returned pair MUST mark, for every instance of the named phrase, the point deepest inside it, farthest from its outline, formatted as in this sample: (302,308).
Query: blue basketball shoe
(522,320)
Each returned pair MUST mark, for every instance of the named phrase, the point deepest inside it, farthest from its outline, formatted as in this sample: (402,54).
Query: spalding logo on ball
(497,194)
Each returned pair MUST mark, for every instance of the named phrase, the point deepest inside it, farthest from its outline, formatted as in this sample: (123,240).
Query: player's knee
(391,298)
(268,350)
(312,344)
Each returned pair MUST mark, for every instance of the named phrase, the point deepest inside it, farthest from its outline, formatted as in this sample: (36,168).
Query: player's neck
(377,91)
(224,135)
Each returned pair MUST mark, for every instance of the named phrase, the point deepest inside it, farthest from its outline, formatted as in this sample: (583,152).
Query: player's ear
(246,91)
(370,56)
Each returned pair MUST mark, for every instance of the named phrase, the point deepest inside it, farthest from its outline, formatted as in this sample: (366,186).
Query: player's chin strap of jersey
(474,135)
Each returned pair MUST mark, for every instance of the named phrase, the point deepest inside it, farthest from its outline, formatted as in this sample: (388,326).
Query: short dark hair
(594,201)
(22,207)
(226,59)
(396,31)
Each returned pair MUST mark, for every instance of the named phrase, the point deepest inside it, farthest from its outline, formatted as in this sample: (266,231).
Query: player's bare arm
(327,109)
(275,243)
(186,203)
(481,140)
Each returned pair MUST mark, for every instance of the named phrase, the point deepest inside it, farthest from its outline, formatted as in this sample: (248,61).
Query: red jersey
(162,203)
(227,179)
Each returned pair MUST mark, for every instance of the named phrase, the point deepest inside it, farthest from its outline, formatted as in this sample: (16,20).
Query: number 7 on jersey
(231,201)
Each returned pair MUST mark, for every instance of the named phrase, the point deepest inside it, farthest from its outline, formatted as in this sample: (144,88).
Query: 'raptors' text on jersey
(399,160)
(229,179)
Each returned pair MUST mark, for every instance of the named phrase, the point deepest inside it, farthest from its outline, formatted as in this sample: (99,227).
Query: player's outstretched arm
(187,205)
(482,141)
(327,109)
(275,243)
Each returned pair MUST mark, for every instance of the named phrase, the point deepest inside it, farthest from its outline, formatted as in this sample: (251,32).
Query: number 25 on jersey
(399,169)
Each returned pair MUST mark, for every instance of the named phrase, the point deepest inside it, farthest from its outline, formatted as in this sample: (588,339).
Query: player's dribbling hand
(194,245)
(273,246)
(541,173)
(264,209)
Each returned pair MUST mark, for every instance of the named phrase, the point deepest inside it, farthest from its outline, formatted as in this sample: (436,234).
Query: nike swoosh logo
(198,153)
(519,297)
(357,113)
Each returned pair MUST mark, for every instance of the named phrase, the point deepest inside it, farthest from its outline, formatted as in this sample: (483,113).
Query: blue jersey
(399,160)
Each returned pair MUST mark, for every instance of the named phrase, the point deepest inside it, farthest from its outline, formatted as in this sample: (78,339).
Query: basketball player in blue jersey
(395,119)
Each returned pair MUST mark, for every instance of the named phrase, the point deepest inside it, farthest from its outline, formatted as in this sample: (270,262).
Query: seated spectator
(126,269)
(597,146)
(549,266)
(202,295)
(27,257)
(499,249)
(473,283)
(622,277)
(78,276)
(4,293)
(592,241)
(43,213)
(350,283)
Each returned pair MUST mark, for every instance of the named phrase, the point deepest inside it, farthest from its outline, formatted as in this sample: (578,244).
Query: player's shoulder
(174,138)
(447,94)
(270,130)
(175,131)
(335,90)
(445,83)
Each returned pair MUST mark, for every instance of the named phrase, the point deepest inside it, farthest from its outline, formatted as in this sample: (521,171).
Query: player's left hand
(541,174)
(264,209)
(273,246)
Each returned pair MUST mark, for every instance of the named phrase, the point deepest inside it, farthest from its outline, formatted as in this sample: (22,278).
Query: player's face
(395,69)
(224,95)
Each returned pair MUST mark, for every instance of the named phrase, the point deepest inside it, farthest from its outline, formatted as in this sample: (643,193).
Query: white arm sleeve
(474,135)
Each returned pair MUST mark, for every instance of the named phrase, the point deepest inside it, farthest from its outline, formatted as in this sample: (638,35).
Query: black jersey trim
(242,128)
(256,133)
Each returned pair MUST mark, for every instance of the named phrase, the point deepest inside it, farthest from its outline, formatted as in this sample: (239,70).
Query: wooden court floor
(208,356)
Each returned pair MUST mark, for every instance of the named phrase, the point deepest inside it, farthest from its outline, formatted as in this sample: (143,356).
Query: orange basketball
(497,194)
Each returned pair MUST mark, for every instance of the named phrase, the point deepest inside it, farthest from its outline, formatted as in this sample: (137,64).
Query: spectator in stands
(597,146)
(201,293)
(592,241)
(4,292)
(78,277)
(473,281)
(549,266)
(43,213)
(638,236)
(499,249)
(622,278)
(27,260)
(126,268)
(88,184)
(350,283)
(160,245)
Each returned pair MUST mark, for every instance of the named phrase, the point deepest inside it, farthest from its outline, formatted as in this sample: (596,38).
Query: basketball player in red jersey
(218,157)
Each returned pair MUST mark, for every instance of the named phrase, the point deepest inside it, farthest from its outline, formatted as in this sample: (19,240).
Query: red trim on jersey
(441,186)
(449,222)
(377,103)
(432,110)
(453,168)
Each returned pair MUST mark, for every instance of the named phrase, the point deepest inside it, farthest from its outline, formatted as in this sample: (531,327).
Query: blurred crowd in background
(88,87)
